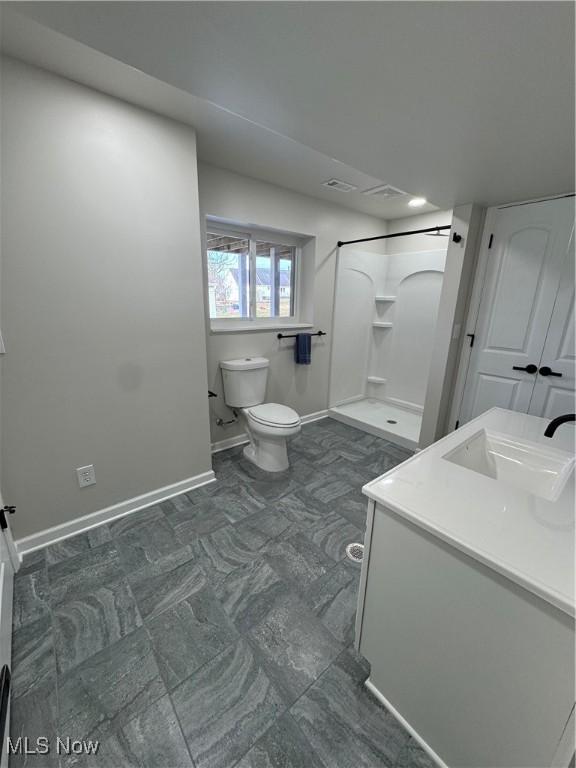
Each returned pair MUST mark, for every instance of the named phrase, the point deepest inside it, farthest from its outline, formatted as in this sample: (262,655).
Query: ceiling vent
(341,186)
(384,190)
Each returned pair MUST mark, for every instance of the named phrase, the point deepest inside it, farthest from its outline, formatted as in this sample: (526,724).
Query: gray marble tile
(73,577)
(272,489)
(301,508)
(350,433)
(92,622)
(344,723)
(189,635)
(148,538)
(267,525)
(327,489)
(153,739)
(134,522)
(295,648)
(249,593)
(307,448)
(282,746)
(31,597)
(109,689)
(163,584)
(333,534)
(31,717)
(301,470)
(237,500)
(353,507)
(333,598)
(77,545)
(198,519)
(384,460)
(33,659)
(297,560)
(225,707)
(226,549)
(32,561)
(355,474)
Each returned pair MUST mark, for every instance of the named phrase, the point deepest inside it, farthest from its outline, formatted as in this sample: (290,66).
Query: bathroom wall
(102,300)
(238,198)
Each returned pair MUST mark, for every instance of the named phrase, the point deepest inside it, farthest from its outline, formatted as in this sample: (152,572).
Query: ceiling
(454,101)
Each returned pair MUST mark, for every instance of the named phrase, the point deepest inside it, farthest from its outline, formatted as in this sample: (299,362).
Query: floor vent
(355,552)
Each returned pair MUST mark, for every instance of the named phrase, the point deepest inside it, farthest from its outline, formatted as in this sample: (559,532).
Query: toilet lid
(274,415)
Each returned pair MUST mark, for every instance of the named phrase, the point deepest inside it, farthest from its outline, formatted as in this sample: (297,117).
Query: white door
(525,260)
(554,387)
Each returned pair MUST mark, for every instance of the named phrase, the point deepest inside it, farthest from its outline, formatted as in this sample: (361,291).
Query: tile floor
(215,629)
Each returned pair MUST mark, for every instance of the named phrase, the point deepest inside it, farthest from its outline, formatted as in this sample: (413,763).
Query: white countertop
(526,538)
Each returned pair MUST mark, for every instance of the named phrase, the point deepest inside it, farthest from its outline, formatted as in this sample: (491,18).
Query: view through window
(249,278)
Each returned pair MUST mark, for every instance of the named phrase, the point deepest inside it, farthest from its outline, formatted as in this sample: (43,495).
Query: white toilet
(267,424)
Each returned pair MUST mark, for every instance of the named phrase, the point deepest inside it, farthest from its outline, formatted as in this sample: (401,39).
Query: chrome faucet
(555,423)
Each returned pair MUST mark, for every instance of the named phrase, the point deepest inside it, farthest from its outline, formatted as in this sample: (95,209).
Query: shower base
(377,417)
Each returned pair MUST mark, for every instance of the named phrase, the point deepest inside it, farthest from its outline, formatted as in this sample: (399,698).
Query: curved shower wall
(385,318)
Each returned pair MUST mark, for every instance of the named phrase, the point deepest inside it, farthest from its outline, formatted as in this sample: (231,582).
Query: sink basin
(537,469)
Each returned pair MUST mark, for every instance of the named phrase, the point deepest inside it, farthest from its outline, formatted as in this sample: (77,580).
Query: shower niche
(384,324)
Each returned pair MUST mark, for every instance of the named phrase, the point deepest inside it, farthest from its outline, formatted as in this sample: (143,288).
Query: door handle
(530,368)
(547,371)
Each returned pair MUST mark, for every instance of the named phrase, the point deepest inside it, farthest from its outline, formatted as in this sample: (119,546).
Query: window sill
(257,328)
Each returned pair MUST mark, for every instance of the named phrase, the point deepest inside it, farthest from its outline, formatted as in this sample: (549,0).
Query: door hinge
(490,241)
(471,336)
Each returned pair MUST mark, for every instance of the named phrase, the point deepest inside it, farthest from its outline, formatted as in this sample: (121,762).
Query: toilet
(268,424)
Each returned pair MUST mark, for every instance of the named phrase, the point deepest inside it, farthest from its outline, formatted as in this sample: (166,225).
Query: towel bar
(293,335)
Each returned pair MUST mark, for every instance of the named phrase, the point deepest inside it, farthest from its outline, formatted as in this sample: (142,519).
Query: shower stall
(386,307)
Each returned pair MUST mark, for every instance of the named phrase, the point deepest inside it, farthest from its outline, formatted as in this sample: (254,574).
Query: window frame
(253,235)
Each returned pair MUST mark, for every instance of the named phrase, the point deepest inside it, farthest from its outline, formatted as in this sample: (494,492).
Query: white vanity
(466,604)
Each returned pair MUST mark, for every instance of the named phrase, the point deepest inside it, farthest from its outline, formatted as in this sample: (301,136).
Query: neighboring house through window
(252,276)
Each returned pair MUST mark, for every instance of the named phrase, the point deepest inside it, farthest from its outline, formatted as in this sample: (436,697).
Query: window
(251,276)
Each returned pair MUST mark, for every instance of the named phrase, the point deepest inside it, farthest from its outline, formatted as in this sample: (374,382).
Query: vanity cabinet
(481,669)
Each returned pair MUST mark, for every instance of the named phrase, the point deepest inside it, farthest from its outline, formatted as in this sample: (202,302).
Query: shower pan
(385,318)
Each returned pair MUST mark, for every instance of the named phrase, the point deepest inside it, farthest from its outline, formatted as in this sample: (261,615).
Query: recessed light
(416,202)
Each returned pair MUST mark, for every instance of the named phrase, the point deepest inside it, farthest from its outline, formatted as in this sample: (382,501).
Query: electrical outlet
(86,475)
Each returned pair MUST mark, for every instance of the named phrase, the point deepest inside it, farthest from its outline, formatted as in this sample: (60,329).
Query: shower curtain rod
(455,237)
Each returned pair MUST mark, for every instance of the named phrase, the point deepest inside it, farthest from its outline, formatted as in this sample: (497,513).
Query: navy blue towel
(303,349)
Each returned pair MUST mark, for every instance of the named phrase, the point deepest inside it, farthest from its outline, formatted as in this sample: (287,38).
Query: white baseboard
(94,519)
(232,442)
(405,724)
(316,416)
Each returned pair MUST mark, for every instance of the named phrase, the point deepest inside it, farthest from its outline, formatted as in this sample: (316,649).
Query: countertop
(526,538)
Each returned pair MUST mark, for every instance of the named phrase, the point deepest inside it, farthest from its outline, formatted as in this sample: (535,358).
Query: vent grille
(384,190)
(341,186)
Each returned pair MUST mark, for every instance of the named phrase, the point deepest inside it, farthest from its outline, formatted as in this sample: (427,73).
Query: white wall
(102,300)
(238,198)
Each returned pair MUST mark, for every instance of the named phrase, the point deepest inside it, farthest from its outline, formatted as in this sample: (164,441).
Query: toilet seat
(273,415)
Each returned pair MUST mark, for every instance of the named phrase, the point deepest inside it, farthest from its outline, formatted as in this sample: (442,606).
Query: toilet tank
(244,381)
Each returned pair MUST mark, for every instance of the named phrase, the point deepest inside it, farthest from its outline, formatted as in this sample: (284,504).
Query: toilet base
(269,455)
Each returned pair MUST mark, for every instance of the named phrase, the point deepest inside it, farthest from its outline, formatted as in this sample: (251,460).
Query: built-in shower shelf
(382,325)
(385,298)
(376,380)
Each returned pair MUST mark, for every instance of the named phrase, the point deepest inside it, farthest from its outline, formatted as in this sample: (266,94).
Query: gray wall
(237,198)
(102,300)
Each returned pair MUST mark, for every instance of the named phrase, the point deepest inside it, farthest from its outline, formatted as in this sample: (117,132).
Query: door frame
(475,302)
